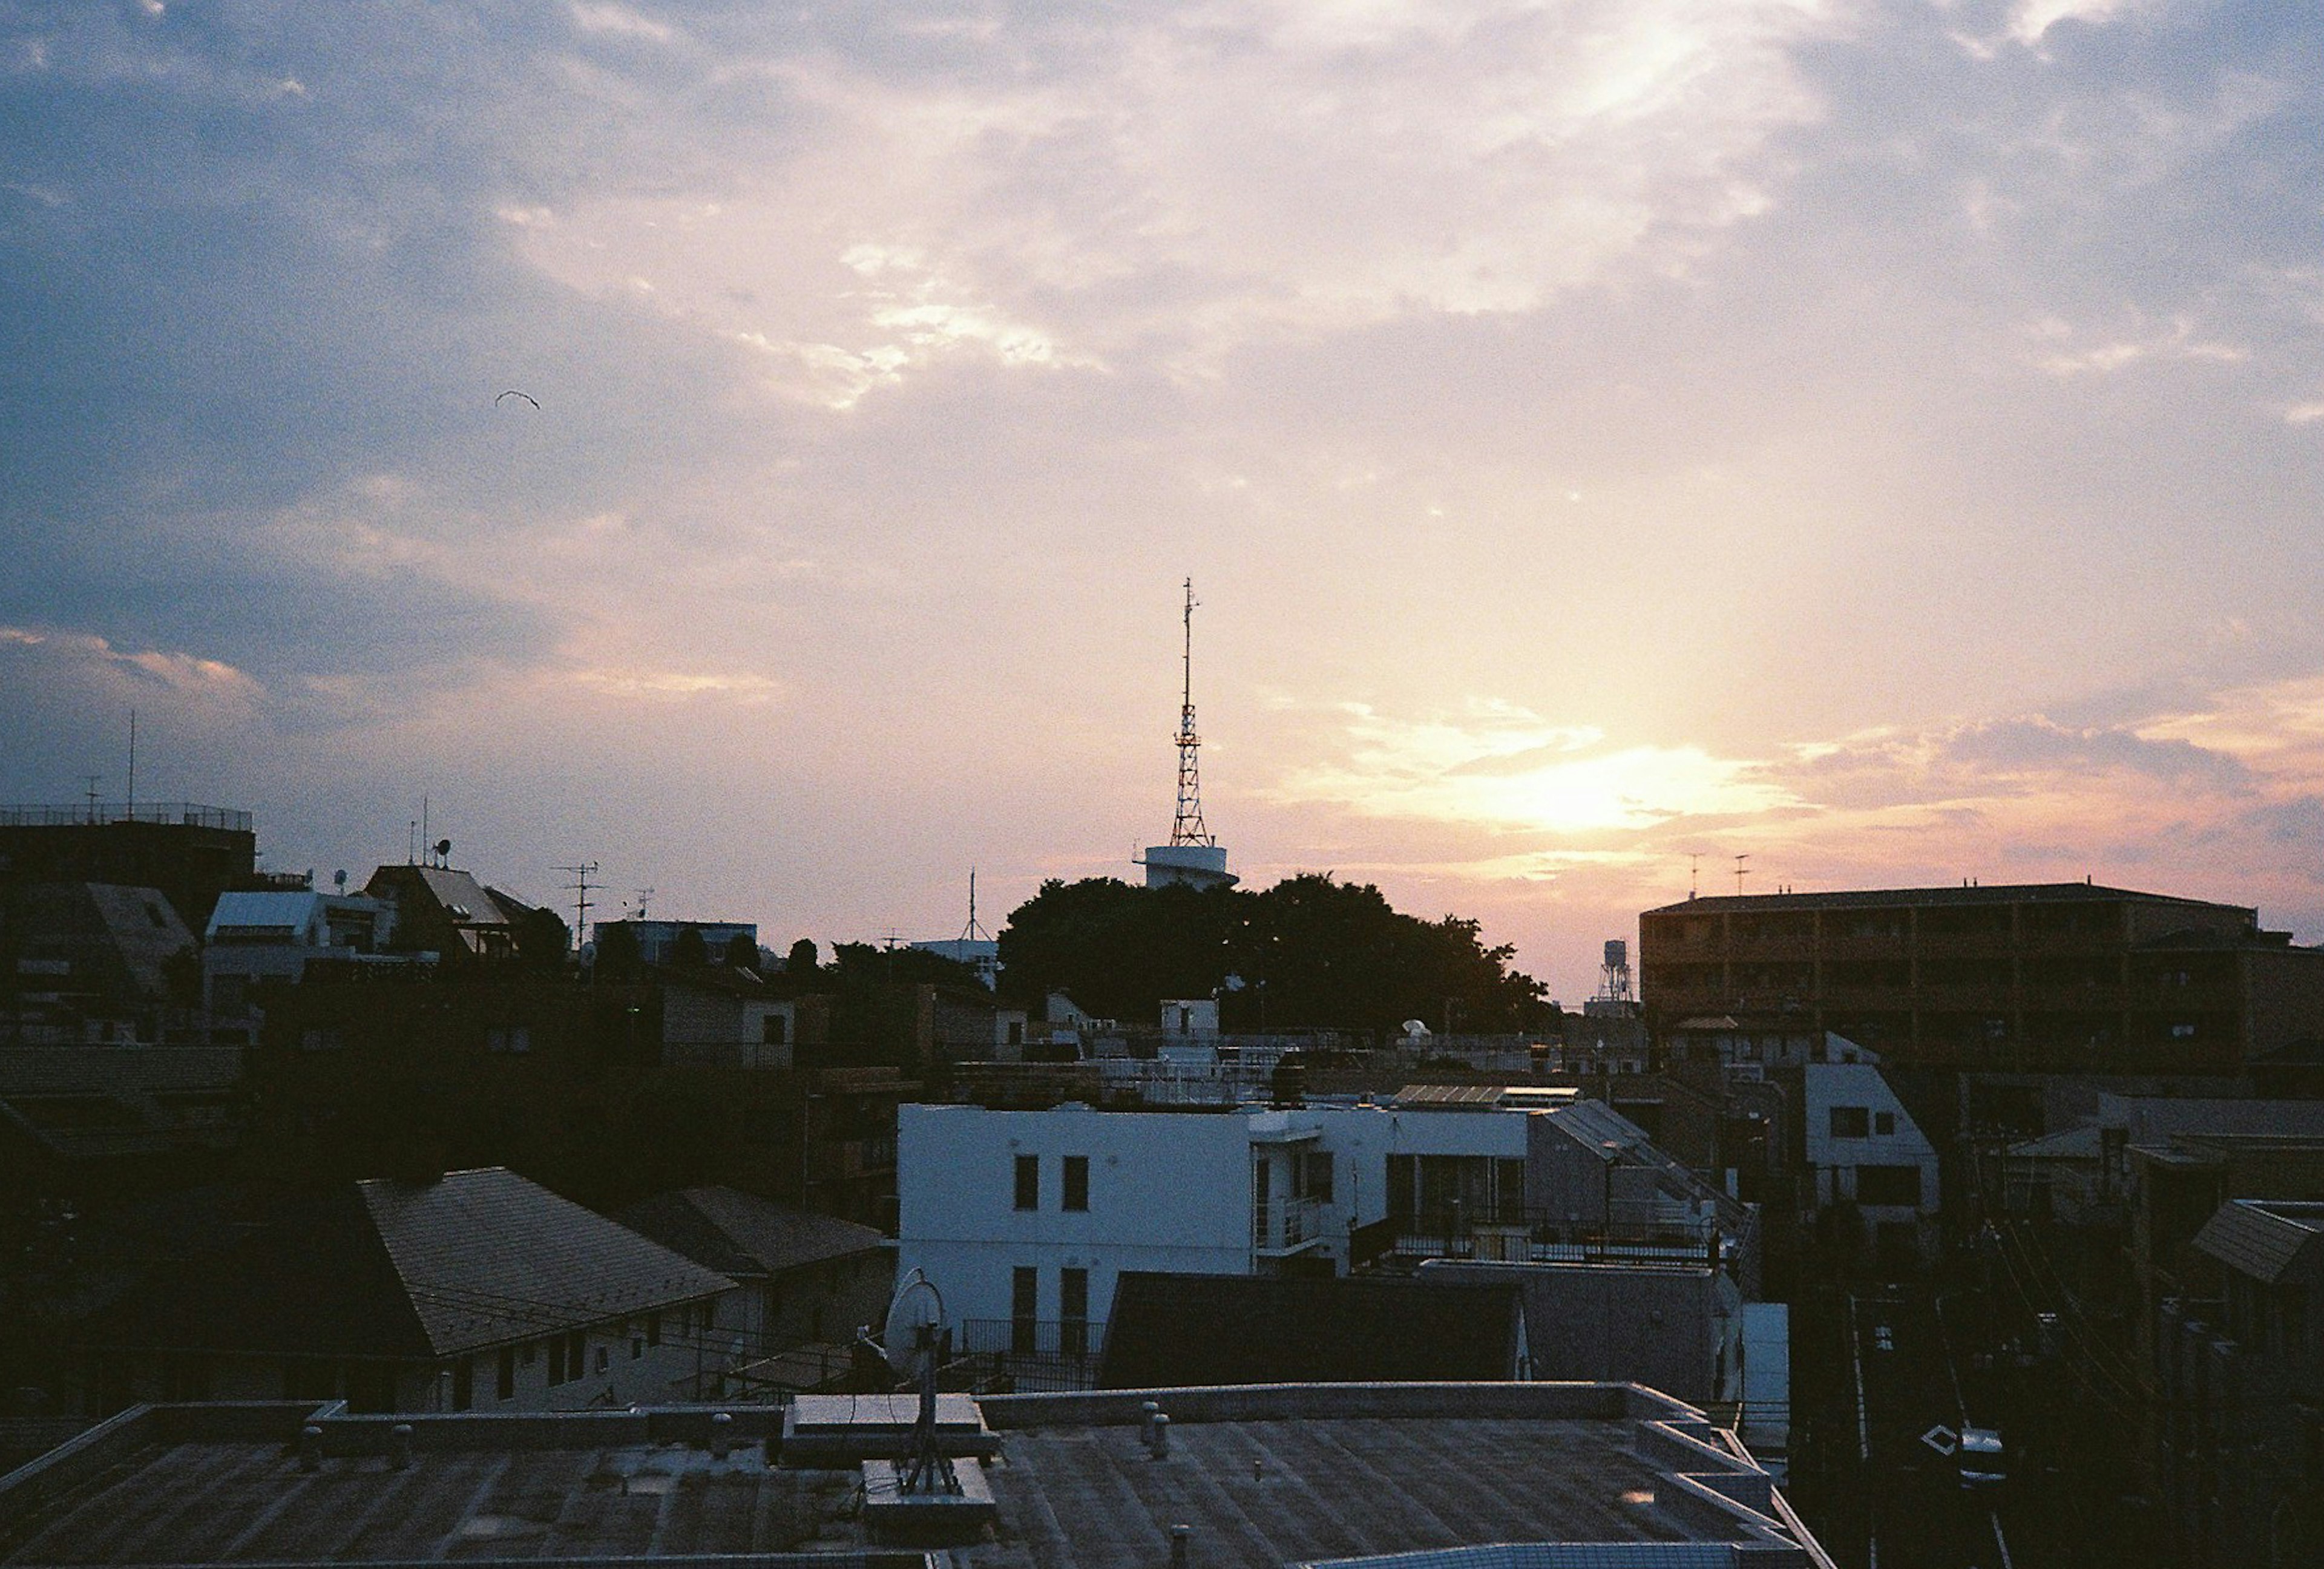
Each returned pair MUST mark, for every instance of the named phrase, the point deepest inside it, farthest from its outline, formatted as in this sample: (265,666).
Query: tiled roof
(487,1255)
(741,1233)
(1260,1329)
(403,1269)
(2271,1242)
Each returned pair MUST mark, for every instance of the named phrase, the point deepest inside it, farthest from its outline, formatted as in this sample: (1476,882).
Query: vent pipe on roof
(722,1434)
(399,1446)
(1147,1411)
(1160,1444)
(1179,1554)
(310,1448)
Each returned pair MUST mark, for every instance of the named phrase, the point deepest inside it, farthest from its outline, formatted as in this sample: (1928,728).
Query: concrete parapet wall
(1283,1402)
(110,1442)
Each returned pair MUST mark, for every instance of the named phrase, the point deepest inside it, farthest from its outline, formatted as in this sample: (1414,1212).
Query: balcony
(1287,1226)
(1530,1236)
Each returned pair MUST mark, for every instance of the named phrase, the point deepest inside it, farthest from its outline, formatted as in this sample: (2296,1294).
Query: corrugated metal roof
(2268,1242)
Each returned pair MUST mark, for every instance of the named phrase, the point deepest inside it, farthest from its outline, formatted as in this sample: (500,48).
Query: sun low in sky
(1884,440)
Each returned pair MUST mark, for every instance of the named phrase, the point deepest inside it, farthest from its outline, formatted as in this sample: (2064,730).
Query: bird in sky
(513,392)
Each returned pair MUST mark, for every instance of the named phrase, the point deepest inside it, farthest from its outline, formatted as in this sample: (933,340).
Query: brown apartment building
(2043,976)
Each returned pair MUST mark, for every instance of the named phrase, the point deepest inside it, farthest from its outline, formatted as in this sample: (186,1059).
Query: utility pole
(580,887)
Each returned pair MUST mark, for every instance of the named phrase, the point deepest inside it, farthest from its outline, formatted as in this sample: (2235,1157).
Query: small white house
(1029,1216)
(1863,1147)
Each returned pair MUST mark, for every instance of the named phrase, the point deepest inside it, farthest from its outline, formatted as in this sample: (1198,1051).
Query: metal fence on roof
(171,814)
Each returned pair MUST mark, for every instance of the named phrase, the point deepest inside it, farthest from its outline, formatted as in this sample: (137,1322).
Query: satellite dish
(911,1341)
(340,880)
(443,852)
(914,1326)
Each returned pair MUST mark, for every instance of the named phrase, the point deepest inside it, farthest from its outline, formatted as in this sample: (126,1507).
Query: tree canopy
(1309,953)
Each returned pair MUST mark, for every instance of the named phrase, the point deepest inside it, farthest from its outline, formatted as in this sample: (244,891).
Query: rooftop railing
(171,814)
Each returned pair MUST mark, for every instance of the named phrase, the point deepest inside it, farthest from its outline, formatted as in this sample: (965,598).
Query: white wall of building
(1841,1097)
(1169,1191)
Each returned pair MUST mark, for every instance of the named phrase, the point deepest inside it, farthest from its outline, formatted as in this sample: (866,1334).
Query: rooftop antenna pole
(1740,873)
(1693,873)
(424,839)
(1188,827)
(643,894)
(974,930)
(132,765)
(92,779)
(411,844)
(579,887)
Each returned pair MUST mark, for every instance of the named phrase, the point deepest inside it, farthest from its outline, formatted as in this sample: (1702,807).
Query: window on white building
(1028,1182)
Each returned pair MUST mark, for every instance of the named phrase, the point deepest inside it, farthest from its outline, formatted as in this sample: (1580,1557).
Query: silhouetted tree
(690,951)
(742,952)
(801,960)
(617,952)
(1310,952)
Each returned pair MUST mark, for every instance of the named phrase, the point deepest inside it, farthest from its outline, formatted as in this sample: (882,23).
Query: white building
(1864,1148)
(254,937)
(1029,1216)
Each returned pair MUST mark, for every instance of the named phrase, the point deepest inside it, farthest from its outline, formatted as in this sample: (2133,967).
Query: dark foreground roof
(1574,1474)
(1259,1329)
(740,1233)
(405,1269)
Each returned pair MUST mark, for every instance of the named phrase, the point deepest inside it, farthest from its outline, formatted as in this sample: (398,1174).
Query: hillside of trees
(1308,953)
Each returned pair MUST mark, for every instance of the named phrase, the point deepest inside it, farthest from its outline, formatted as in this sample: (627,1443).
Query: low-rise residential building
(807,1280)
(1025,1218)
(1864,1150)
(91,963)
(2242,1439)
(255,939)
(720,1015)
(476,1290)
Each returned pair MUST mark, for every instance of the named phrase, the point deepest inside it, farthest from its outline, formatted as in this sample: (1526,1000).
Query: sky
(1607,437)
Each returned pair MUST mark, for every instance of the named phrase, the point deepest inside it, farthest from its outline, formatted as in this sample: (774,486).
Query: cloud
(1507,768)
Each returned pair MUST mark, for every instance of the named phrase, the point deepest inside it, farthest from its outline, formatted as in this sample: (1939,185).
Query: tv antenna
(132,797)
(580,887)
(1693,873)
(1187,827)
(643,894)
(911,1341)
(90,779)
(974,930)
(1740,873)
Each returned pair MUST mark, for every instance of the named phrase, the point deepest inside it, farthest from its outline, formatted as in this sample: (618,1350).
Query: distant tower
(1614,1000)
(1193,856)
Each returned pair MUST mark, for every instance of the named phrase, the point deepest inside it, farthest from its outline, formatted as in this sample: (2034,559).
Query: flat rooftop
(1264,1476)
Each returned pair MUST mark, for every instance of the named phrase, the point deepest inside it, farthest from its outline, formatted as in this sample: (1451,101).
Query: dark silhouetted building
(2063,976)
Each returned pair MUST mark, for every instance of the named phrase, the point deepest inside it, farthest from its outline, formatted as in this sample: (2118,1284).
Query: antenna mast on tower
(1188,827)
(973,932)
